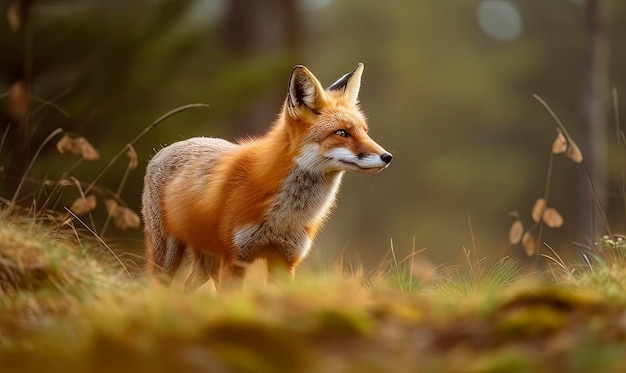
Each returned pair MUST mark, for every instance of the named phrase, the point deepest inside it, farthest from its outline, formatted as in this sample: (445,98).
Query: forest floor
(62,309)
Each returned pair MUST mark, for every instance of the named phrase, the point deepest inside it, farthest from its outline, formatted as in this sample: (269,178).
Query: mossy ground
(61,310)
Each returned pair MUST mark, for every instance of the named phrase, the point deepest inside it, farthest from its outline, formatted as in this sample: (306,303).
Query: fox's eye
(342,133)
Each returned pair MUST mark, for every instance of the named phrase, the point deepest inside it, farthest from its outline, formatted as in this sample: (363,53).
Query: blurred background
(447,88)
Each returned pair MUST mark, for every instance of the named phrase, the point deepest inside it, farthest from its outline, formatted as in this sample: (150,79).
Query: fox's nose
(386,157)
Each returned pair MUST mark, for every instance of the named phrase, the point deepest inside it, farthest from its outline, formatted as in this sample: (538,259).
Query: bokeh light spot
(500,20)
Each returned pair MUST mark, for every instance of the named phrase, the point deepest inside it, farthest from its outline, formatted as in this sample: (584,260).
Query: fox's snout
(386,157)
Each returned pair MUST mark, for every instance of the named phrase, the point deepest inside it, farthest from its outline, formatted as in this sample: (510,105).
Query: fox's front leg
(232,274)
(204,267)
(279,267)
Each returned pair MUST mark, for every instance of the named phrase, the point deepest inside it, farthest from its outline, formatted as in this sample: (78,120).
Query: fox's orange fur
(262,198)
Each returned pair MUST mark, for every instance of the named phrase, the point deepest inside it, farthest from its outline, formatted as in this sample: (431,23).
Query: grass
(63,310)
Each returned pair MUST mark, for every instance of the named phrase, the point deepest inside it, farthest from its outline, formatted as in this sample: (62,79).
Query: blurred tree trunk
(253,28)
(594,106)
(17,103)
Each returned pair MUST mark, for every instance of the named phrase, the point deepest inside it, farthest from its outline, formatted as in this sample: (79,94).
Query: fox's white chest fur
(304,197)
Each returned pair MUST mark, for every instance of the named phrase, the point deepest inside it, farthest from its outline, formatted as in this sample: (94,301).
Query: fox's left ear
(305,91)
(349,83)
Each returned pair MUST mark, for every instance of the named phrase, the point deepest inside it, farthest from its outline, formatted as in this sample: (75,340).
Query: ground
(63,308)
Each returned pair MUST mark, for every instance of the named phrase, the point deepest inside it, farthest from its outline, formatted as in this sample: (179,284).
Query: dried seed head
(79,146)
(13,16)
(560,143)
(552,218)
(574,153)
(516,232)
(111,206)
(84,205)
(86,150)
(18,101)
(538,209)
(132,156)
(529,244)
(65,144)
(127,218)
(423,269)
(123,217)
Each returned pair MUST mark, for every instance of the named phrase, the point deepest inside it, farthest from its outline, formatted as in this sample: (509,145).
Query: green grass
(62,310)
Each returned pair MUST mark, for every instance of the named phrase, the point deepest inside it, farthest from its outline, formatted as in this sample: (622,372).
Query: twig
(141,134)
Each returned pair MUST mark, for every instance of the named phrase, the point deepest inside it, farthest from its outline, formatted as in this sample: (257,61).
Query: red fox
(263,198)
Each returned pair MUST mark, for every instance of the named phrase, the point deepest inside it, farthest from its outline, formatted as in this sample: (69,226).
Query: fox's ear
(304,91)
(349,83)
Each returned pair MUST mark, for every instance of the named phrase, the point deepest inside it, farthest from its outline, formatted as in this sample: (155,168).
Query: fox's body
(262,198)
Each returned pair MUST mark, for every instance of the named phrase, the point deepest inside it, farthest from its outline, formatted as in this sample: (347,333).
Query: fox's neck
(304,194)
(304,198)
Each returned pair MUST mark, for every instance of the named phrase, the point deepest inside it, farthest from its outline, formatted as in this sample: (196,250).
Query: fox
(228,204)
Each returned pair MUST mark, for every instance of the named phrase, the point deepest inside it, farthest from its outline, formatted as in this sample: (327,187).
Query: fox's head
(329,126)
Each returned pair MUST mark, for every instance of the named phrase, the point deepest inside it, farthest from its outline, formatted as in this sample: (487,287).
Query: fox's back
(197,153)
(191,161)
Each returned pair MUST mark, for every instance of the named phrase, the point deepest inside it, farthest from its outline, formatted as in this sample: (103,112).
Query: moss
(507,360)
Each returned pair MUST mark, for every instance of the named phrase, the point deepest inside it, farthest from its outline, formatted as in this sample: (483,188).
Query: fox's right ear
(305,92)
(350,84)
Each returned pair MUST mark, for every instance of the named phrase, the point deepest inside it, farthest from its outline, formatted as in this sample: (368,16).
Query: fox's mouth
(355,167)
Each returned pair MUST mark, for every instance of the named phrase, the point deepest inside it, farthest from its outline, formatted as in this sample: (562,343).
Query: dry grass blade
(538,209)
(516,232)
(52,105)
(559,261)
(529,244)
(552,218)
(100,240)
(154,124)
(12,204)
(573,152)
